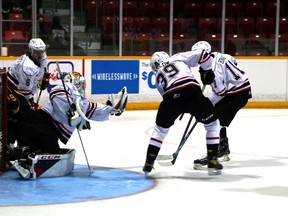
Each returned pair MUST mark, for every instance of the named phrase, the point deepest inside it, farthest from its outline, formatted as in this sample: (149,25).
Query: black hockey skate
(223,155)
(214,167)
(224,151)
(147,168)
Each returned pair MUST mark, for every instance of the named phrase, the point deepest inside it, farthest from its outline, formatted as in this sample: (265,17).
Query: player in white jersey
(25,78)
(231,91)
(59,118)
(27,74)
(182,94)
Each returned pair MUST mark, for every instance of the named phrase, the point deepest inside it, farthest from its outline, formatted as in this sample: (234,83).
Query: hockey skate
(223,155)
(214,167)
(147,168)
(20,168)
(224,151)
(118,102)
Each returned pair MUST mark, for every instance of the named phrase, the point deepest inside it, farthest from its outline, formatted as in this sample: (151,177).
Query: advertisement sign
(109,76)
(55,78)
(147,78)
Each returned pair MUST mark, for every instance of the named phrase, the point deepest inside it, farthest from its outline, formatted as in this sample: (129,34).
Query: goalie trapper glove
(118,102)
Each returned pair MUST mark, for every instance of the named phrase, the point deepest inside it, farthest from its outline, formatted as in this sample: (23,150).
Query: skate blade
(225,158)
(212,171)
(200,167)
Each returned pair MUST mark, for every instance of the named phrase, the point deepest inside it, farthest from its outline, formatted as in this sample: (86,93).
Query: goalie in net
(67,110)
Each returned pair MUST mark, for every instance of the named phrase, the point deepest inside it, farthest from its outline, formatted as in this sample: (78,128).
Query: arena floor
(254,182)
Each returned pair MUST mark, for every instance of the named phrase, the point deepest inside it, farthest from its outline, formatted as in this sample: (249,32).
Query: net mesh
(3,118)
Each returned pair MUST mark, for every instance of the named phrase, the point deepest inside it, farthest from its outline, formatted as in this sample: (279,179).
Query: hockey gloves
(45,80)
(207,76)
(32,103)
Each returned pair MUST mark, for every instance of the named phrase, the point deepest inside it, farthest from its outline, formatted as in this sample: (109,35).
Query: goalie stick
(71,110)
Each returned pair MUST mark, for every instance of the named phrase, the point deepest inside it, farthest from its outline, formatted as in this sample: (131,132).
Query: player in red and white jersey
(66,110)
(181,93)
(231,91)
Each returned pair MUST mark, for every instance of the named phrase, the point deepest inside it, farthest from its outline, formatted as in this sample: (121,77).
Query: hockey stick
(162,159)
(172,158)
(38,99)
(71,110)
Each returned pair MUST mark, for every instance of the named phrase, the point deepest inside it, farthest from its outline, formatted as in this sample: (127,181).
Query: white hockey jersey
(24,75)
(229,79)
(175,73)
(57,107)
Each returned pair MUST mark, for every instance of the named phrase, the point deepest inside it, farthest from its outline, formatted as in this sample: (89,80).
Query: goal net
(3,118)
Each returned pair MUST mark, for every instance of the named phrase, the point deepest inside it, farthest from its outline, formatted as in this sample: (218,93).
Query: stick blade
(164,157)
(166,163)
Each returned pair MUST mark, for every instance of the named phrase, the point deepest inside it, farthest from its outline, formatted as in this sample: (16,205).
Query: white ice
(254,182)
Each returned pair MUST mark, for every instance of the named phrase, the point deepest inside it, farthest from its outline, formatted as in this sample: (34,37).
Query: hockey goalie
(38,153)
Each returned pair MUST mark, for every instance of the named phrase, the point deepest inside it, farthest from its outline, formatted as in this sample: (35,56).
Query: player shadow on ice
(252,163)
(280,191)
(199,175)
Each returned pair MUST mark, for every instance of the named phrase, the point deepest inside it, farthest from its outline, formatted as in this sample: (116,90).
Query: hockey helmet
(37,44)
(79,81)
(157,58)
(202,45)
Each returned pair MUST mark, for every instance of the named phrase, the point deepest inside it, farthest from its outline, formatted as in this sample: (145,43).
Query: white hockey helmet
(202,45)
(157,58)
(36,44)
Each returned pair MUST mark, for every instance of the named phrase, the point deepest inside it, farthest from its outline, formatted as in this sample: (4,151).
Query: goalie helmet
(157,58)
(202,45)
(77,80)
(80,82)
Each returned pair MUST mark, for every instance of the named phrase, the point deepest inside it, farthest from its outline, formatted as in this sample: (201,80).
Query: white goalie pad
(52,165)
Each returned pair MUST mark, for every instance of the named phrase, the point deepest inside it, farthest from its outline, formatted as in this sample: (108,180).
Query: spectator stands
(146,23)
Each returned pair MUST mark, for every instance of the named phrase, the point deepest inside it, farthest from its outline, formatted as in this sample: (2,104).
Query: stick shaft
(72,112)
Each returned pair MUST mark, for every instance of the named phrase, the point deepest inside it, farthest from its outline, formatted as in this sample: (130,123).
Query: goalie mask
(157,58)
(202,45)
(78,80)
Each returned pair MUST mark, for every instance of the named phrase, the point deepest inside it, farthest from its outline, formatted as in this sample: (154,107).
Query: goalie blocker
(46,165)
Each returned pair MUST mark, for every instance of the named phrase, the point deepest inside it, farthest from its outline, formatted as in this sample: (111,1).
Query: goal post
(3,118)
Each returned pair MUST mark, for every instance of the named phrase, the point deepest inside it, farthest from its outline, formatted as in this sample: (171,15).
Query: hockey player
(231,91)
(66,110)
(25,78)
(28,74)
(182,94)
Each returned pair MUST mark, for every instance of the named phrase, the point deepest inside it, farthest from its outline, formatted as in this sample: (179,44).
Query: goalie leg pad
(53,165)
